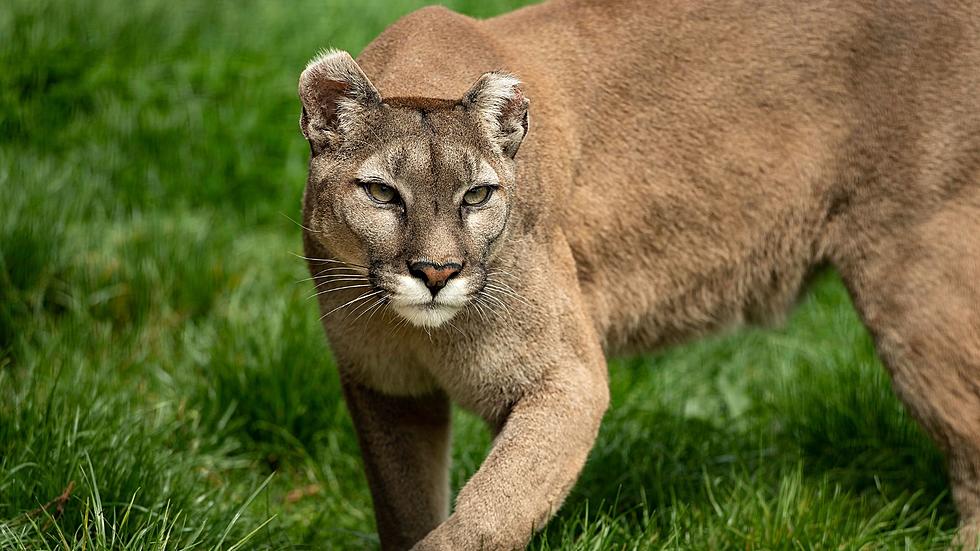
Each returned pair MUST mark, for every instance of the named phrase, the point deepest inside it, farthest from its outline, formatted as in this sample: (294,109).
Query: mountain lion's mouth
(430,314)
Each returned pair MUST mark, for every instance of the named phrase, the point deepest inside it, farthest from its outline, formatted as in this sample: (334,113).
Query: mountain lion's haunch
(660,170)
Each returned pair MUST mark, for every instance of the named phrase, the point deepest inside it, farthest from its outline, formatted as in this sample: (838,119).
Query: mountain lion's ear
(502,109)
(333,90)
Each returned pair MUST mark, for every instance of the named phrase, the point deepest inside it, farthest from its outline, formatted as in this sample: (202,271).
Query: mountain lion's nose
(433,275)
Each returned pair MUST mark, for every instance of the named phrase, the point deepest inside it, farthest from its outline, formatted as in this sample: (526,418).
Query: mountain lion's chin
(426,315)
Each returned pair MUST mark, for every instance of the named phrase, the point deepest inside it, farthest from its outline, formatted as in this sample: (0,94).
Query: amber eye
(477,196)
(381,193)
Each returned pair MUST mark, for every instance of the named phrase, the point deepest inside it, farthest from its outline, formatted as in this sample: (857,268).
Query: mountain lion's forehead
(439,119)
(424,140)
(424,160)
(424,104)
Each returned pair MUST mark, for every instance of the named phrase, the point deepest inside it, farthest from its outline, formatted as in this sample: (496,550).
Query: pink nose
(433,275)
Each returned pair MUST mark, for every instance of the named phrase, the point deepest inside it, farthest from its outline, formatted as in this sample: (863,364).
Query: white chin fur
(426,315)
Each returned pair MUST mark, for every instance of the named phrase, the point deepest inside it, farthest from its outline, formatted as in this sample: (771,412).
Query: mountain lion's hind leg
(405,447)
(919,293)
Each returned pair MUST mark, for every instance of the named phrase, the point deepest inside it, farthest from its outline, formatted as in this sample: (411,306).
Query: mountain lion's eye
(477,196)
(381,193)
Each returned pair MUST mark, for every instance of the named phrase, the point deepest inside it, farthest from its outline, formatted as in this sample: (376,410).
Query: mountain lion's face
(415,193)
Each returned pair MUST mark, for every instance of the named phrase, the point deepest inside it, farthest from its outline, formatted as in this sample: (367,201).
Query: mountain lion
(660,170)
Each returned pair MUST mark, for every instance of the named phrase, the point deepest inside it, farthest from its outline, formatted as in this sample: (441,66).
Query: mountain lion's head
(416,192)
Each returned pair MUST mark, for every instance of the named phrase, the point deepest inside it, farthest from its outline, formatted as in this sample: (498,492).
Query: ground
(164,382)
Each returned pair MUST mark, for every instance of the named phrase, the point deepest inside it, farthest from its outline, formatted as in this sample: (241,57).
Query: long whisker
(338,268)
(373,309)
(509,292)
(504,284)
(504,290)
(484,308)
(488,306)
(325,291)
(501,272)
(384,304)
(397,326)
(348,303)
(326,276)
(362,308)
(322,275)
(490,296)
(323,287)
(307,228)
(327,260)
(458,330)
(479,310)
(495,312)
(341,277)
(508,298)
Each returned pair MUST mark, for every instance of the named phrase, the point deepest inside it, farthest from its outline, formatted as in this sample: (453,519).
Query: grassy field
(164,383)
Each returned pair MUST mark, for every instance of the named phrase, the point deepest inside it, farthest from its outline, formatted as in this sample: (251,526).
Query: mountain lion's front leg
(535,460)
(405,445)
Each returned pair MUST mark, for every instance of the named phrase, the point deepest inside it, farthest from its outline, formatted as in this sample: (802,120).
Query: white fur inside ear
(501,108)
(491,94)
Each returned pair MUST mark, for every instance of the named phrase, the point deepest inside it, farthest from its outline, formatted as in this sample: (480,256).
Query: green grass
(158,356)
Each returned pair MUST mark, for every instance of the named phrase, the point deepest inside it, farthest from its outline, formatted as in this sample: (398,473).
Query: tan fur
(686,165)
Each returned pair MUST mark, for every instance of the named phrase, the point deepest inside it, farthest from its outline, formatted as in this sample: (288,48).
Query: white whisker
(501,272)
(364,310)
(373,309)
(321,275)
(328,260)
(384,304)
(348,303)
(503,284)
(307,228)
(489,307)
(397,326)
(339,268)
(335,279)
(458,330)
(325,291)
(479,310)
(509,292)
(490,296)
